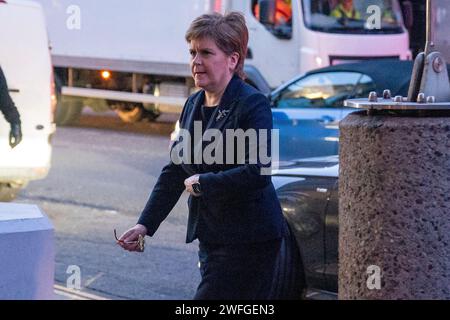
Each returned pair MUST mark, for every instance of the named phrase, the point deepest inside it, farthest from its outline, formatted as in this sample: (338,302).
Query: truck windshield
(353,16)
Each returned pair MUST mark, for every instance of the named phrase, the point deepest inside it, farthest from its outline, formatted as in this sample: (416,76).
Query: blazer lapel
(191,117)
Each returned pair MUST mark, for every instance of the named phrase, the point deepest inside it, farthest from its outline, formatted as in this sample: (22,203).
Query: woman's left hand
(189,182)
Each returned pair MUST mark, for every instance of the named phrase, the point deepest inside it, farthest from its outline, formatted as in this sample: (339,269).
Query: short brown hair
(228,31)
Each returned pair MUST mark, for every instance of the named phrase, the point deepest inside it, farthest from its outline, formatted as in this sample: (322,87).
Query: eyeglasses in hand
(140,241)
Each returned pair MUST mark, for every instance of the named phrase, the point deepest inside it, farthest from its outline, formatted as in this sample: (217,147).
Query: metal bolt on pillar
(421,98)
(373,96)
(431,99)
(398,99)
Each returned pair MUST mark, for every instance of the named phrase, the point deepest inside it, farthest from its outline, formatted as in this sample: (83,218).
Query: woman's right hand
(129,239)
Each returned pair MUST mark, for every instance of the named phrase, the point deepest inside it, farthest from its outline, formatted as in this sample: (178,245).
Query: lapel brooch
(222,113)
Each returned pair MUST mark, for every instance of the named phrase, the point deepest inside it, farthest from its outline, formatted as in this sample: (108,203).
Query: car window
(324,90)
(365,85)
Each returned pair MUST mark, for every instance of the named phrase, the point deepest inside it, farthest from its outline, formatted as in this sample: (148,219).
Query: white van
(25,60)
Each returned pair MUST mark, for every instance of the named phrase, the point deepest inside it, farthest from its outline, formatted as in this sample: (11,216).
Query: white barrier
(27,253)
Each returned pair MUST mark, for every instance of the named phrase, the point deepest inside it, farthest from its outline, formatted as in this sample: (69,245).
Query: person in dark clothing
(10,112)
(234,211)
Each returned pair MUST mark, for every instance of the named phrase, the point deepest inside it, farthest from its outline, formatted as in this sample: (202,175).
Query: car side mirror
(274,100)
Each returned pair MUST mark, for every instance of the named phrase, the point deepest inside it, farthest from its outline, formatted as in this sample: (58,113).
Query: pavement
(64,293)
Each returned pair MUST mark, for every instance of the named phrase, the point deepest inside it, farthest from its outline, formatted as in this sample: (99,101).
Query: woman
(233,207)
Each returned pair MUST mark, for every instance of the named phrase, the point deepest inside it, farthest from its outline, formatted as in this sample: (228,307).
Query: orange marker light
(106,75)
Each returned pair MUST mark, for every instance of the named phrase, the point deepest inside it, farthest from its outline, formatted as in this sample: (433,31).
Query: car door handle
(13,90)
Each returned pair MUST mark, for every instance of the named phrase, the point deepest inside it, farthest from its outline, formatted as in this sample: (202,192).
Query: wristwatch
(196,188)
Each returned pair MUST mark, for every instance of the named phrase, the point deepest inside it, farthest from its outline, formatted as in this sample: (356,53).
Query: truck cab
(313,37)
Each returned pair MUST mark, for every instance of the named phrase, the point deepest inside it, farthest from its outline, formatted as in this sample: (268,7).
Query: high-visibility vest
(339,12)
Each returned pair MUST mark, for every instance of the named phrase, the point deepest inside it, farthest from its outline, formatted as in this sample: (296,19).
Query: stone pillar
(27,254)
(394,207)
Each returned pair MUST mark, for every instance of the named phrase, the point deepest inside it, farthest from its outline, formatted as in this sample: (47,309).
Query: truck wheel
(130,116)
(151,112)
(68,111)
(151,115)
(289,280)
(136,114)
(8,193)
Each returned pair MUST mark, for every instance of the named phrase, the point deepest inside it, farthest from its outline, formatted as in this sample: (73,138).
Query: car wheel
(289,279)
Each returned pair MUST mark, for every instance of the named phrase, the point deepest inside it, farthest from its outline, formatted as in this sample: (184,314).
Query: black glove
(15,135)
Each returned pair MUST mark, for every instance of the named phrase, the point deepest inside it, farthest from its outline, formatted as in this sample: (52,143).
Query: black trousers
(237,272)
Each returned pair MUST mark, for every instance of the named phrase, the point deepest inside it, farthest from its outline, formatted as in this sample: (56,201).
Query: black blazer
(7,106)
(238,204)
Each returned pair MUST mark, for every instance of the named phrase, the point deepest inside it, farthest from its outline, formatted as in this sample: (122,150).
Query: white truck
(131,56)
(25,61)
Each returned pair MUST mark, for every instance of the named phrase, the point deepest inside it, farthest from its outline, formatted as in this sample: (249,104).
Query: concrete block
(27,259)
(394,207)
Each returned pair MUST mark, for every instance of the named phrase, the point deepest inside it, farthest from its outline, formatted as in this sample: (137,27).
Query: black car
(308,192)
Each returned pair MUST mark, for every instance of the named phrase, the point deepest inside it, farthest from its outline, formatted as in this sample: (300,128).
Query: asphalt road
(101,176)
